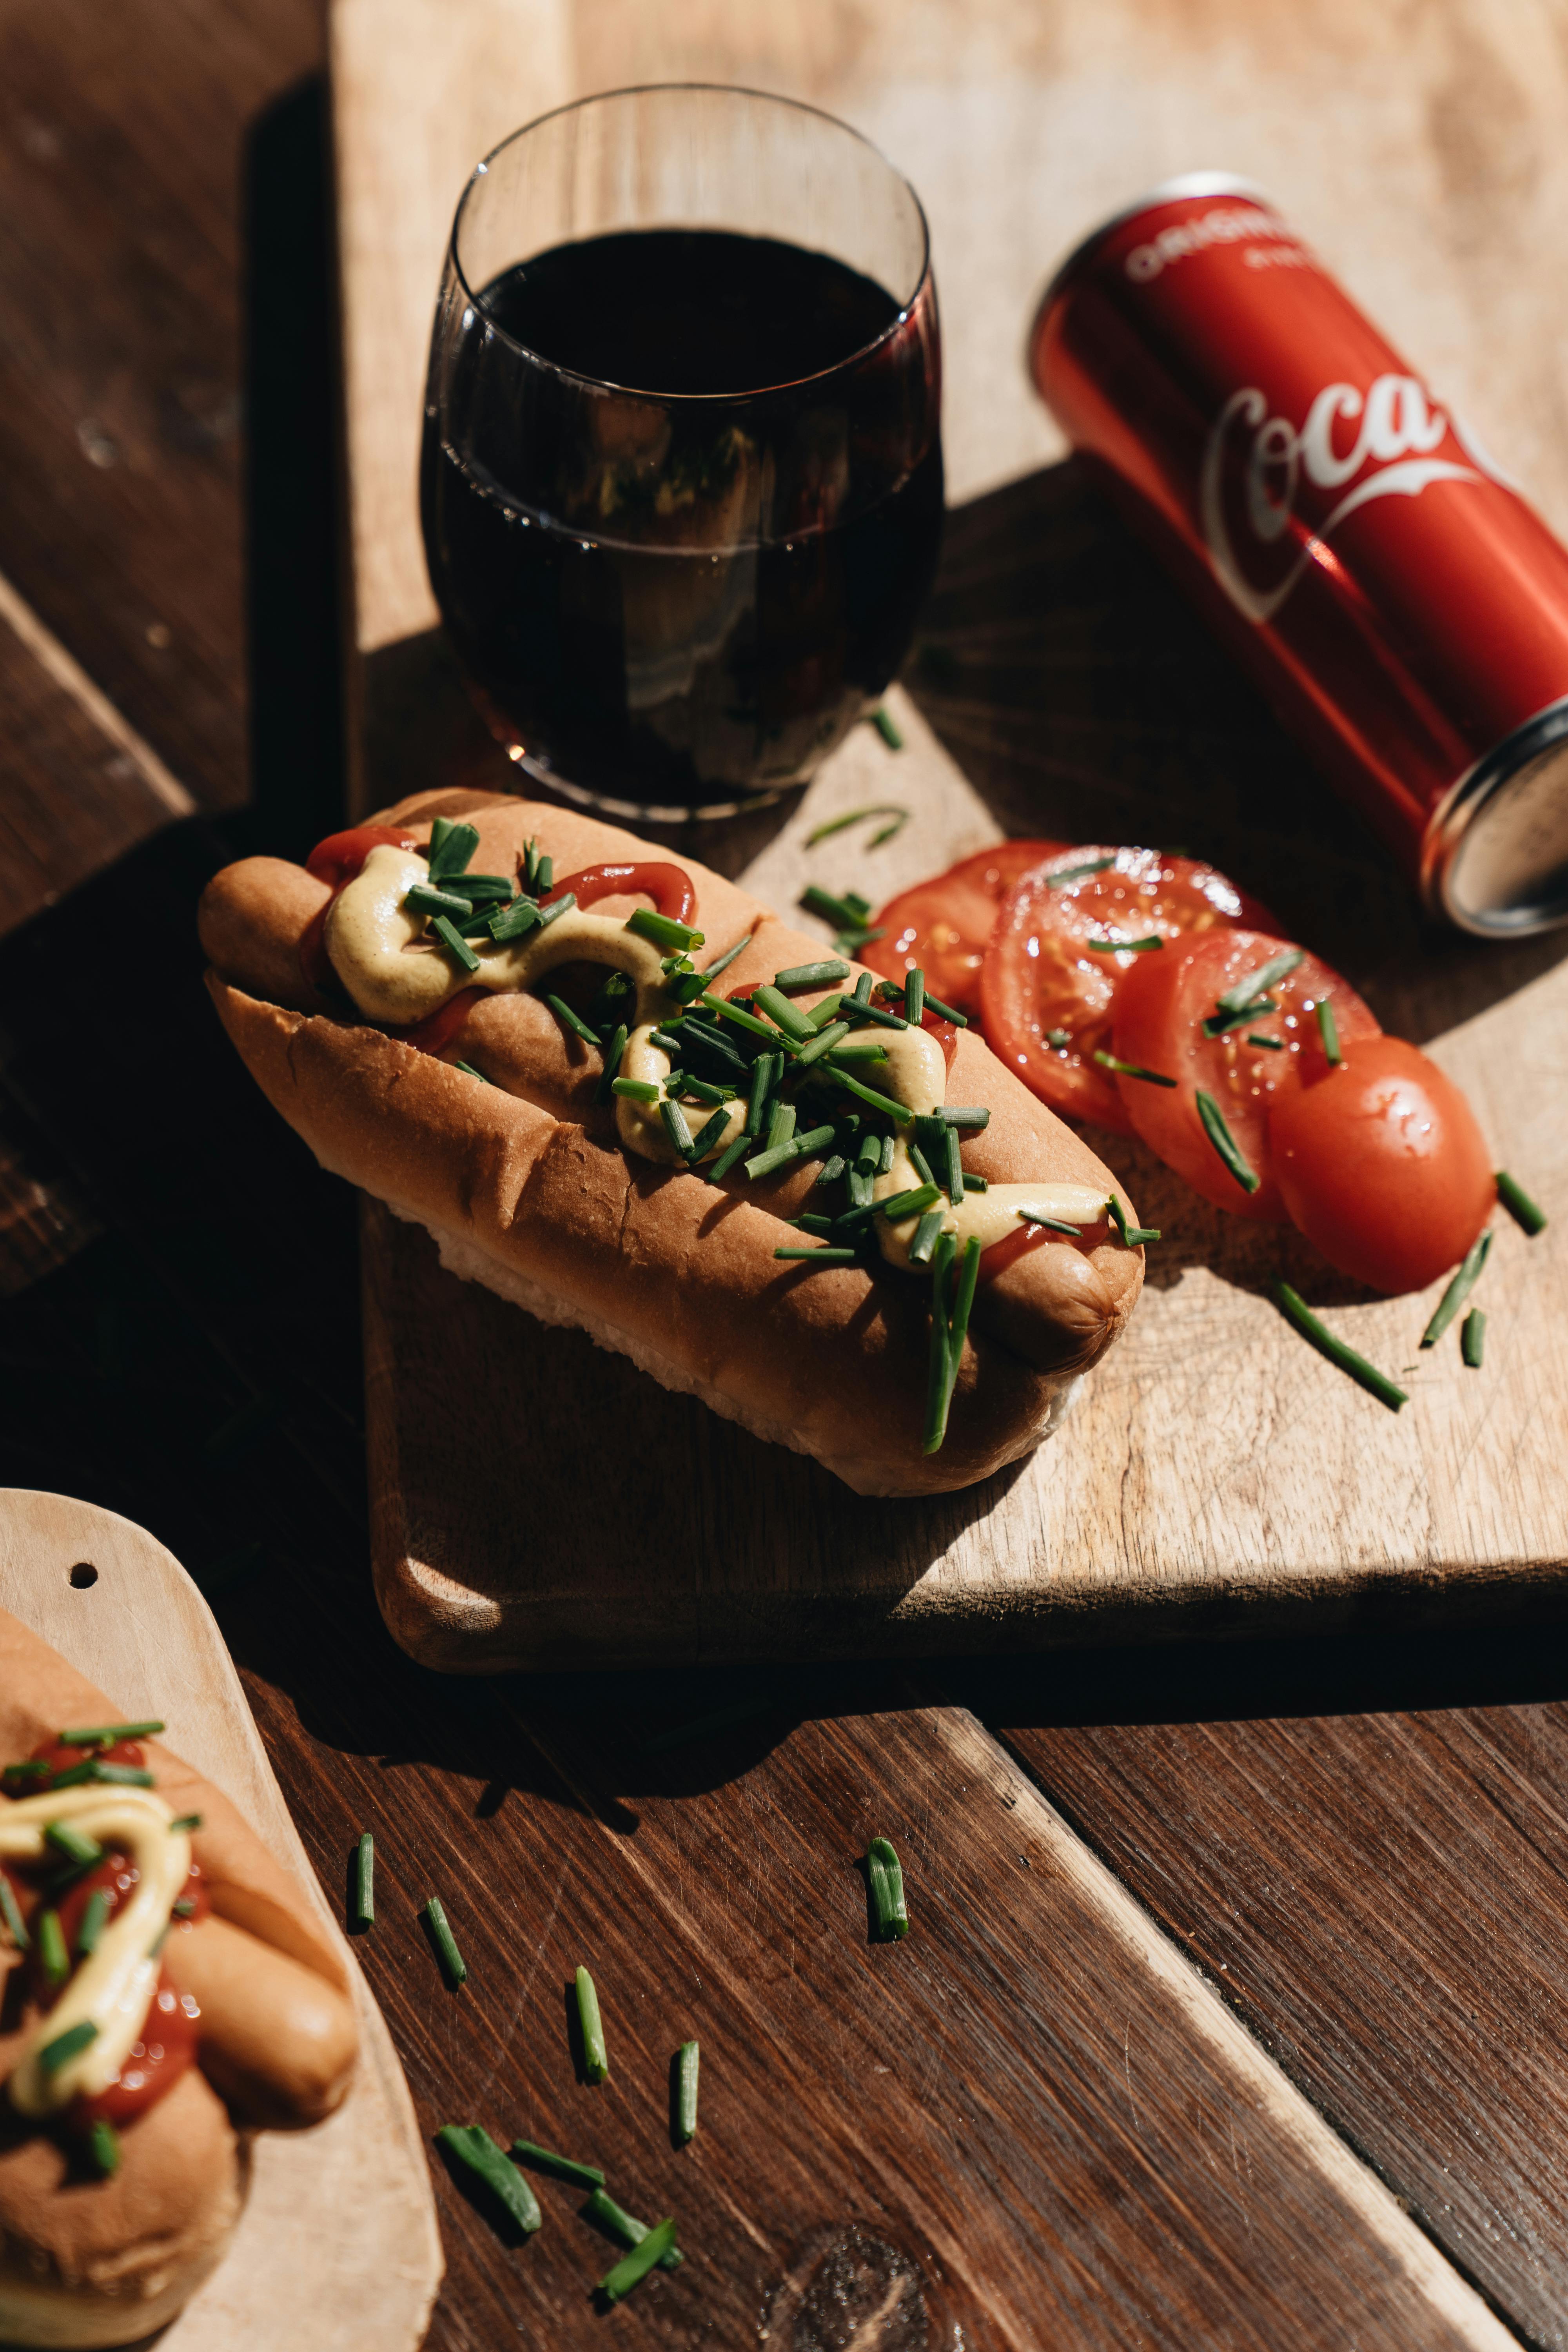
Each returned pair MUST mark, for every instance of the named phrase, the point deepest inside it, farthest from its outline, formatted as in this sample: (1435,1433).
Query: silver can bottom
(1497,851)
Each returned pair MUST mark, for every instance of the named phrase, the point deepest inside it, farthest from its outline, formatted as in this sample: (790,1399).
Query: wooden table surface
(1234,2009)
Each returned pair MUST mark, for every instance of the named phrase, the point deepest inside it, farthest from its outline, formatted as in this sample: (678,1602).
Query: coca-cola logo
(1383,441)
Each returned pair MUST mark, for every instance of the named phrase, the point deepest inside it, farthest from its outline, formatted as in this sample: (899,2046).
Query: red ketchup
(669,888)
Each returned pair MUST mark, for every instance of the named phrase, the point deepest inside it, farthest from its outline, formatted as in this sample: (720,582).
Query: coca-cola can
(1400,603)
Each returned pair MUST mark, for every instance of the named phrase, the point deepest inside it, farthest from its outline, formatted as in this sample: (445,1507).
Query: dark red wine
(678,529)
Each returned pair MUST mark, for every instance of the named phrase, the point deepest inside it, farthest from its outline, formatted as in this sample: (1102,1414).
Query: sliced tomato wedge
(1050,981)
(1161,1010)
(1382,1165)
(944,925)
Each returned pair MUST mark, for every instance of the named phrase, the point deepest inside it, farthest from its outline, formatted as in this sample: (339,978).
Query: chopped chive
(664,930)
(846,914)
(1066,873)
(882,721)
(544,868)
(362,1909)
(557,907)
(94,1914)
(1256,1037)
(780,1155)
(896,1111)
(656,2247)
(563,2167)
(1123,946)
(832,1169)
(706,1135)
(1519,1204)
(104,2148)
(923,1166)
(1058,1039)
(932,1005)
(1220,1025)
(811,1223)
(613,1053)
(841,823)
(66,2046)
(1223,1142)
(909,1204)
(878,1019)
(184,1909)
(675,1126)
(454,1968)
(1338,1351)
(451,846)
(1473,1338)
(1328,1028)
(11,1913)
(765,1073)
(487,885)
(974,1184)
(614,2219)
(477,925)
(634,1089)
(858,1054)
(473,2148)
(668,1041)
(188,1822)
(822,1257)
(686,2059)
(886,1877)
(1132,1070)
(744,1020)
(779,1009)
(722,963)
(1458,1290)
(954,1176)
(937,1388)
(781,1123)
(531,863)
(469,1072)
(69,1842)
(915,997)
(452,941)
(727,1157)
(858,1185)
(811,975)
(829,1010)
(95,1772)
(1056,1224)
(514,921)
(926,1233)
(109,1734)
(1132,1237)
(32,1768)
(595,2057)
(700,1091)
(823,1043)
(572,1021)
(862,995)
(53,1956)
(971,1117)
(869,1152)
(1245,992)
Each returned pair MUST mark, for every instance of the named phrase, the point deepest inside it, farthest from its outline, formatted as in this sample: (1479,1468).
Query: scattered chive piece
(877,1017)
(823,1043)
(728,1157)
(722,963)
(830,1009)
(824,1257)
(926,1233)
(53,1956)
(887,1883)
(512,922)
(779,1009)
(531,864)
(1220,1025)
(882,719)
(634,1089)
(687,2060)
(469,1072)
(626,2226)
(1337,1351)
(477,2154)
(1132,1070)
(184,1909)
(67,2045)
(932,1005)
(94,1771)
(949,1326)
(1329,1030)
(188,1822)
(675,1126)
(1223,1142)
(974,1184)
(1060,1039)
(811,975)
(109,1735)
(665,931)
(1458,1290)
(1473,1338)
(923,1166)
(452,938)
(766,1075)
(954,1178)
(595,2057)
(10,1912)
(422,900)
(794,1147)
(1245,992)
(909,1204)
(1256,1037)
(707,1136)
(69,1842)
(451,846)
(741,1018)
(971,1117)
(613,1052)
(1132,1237)
(1056,1224)
(896,1111)
(813,1223)
(781,1123)
(92,1919)
(633,2267)
(362,1911)
(899,815)
(1067,874)
(846,914)
(563,2167)
(1123,946)
(1519,1204)
(454,1968)
(104,2148)
(915,997)
(32,1768)
(547,915)
(572,1021)
(487,885)
(832,1169)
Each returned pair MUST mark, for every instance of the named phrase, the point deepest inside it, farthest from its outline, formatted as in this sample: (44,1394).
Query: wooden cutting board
(337,2250)
(1216,1472)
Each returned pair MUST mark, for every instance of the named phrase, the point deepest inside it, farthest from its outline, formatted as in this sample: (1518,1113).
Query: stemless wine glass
(681,482)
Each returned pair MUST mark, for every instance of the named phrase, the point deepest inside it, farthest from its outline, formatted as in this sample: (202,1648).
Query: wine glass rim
(643,391)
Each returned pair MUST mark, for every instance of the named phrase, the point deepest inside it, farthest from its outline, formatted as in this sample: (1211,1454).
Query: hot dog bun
(86,2262)
(526,1188)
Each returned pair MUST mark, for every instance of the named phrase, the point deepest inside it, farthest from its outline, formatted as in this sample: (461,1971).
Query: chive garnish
(1058,1039)
(595,2057)
(1473,1338)
(469,1072)
(811,975)
(830,1009)
(825,1257)
(891,988)
(1123,946)
(603,2210)
(972,1184)
(188,1822)
(104,2148)
(92,1918)
(531,864)
(781,1123)
(728,1157)
(454,1968)
(1132,1070)
(1067,874)
(613,1052)
(896,1111)
(949,1326)
(687,2060)
(1223,1142)
(487,885)
(514,921)
(921,1165)
(109,1734)
(914,996)
(779,1009)
(1220,1025)
(832,1169)
(894,809)
(184,1908)
(1243,993)
(452,938)
(563,2167)
(1337,1350)
(478,2155)
(632,2268)
(66,2046)
(95,1772)
(675,1126)
(1519,1204)
(877,1017)
(722,963)
(813,1223)
(886,1878)
(780,1155)
(846,914)
(11,1913)
(954,1177)
(1458,1290)
(926,1233)
(32,1768)
(909,1204)
(744,1019)
(765,1073)
(971,1116)
(69,1842)
(708,1134)
(451,846)
(665,931)
(882,719)
(634,1089)
(1132,1237)
(823,1043)
(422,900)
(700,1091)
(1327,1029)
(557,907)
(53,1956)
(1256,1037)
(572,1021)
(858,1054)
(1056,1224)
(362,1909)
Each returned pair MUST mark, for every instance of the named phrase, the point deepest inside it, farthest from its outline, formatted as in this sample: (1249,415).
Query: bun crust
(526,1185)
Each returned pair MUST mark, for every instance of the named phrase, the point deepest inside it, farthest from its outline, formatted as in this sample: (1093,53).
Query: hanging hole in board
(83,1575)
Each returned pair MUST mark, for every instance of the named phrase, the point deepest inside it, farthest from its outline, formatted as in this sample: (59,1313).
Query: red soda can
(1401,604)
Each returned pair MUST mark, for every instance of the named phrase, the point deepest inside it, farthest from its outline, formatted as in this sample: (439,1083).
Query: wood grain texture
(338,2247)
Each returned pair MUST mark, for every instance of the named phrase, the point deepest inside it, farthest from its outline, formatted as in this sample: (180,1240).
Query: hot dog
(162,2002)
(633,1205)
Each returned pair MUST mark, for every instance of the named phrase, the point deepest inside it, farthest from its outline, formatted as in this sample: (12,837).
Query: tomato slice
(1160,1014)
(944,925)
(1043,978)
(1382,1165)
